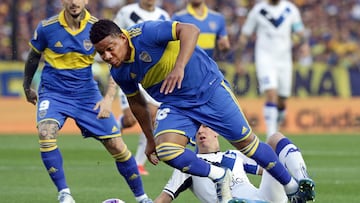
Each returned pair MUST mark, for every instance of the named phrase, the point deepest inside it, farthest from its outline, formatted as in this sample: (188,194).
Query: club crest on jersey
(144,56)
(87,44)
(212,25)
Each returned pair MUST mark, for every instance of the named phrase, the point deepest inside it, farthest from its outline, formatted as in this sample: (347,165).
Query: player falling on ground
(208,147)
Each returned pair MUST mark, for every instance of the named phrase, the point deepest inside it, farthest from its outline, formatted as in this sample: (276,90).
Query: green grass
(333,162)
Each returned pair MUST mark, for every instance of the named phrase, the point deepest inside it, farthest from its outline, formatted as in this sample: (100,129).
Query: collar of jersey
(132,48)
(82,22)
(192,12)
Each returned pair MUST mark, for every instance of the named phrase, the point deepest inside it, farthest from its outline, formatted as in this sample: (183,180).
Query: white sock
(66,190)
(271,116)
(140,198)
(293,160)
(140,156)
(291,187)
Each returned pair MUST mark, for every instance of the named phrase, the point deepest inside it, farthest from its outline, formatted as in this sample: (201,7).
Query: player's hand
(105,108)
(31,96)
(174,79)
(151,153)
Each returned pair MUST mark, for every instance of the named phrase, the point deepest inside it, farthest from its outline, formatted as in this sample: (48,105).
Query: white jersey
(132,14)
(273,26)
(241,187)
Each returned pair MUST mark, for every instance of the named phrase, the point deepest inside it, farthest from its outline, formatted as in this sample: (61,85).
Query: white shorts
(272,74)
(125,104)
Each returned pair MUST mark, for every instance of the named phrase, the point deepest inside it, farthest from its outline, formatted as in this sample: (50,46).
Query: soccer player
(208,147)
(127,16)
(211,24)
(68,90)
(164,58)
(273,21)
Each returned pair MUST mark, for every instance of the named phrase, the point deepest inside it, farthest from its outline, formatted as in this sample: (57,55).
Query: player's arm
(223,42)
(188,35)
(139,108)
(163,198)
(105,105)
(239,48)
(31,66)
(177,183)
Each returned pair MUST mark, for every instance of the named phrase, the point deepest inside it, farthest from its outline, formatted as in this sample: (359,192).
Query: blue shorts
(59,107)
(221,113)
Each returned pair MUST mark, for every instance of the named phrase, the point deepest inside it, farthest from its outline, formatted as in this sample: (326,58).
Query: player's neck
(147,7)
(199,8)
(74,22)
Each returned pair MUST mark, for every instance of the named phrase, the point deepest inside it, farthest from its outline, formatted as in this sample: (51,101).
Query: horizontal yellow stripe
(207,40)
(71,60)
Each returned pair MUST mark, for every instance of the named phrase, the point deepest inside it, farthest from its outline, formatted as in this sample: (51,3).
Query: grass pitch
(333,162)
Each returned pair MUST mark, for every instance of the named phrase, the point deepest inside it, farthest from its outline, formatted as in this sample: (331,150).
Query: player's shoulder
(93,19)
(181,12)
(129,8)
(215,13)
(50,21)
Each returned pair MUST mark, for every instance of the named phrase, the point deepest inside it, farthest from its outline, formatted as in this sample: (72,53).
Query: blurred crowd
(332,25)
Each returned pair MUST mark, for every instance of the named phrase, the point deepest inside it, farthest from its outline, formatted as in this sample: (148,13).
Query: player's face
(148,3)
(114,49)
(207,140)
(74,7)
(196,2)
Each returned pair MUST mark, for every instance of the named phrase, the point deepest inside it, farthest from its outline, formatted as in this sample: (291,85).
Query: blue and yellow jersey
(68,55)
(154,49)
(211,24)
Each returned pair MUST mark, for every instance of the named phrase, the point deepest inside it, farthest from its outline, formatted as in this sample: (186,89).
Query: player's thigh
(223,114)
(170,119)
(266,75)
(52,107)
(90,125)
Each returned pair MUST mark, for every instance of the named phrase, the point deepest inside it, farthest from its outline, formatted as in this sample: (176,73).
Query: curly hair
(102,29)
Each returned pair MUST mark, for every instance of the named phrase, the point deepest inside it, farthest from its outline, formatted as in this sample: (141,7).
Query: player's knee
(123,156)
(249,146)
(128,119)
(47,135)
(274,139)
(48,129)
(167,151)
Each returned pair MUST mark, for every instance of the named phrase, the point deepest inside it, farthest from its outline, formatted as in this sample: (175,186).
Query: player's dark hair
(102,29)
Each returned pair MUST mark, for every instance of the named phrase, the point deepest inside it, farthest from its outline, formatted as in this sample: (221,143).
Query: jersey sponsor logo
(87,44)
(144,56)
(275,21)
(132,75)
(58,44)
